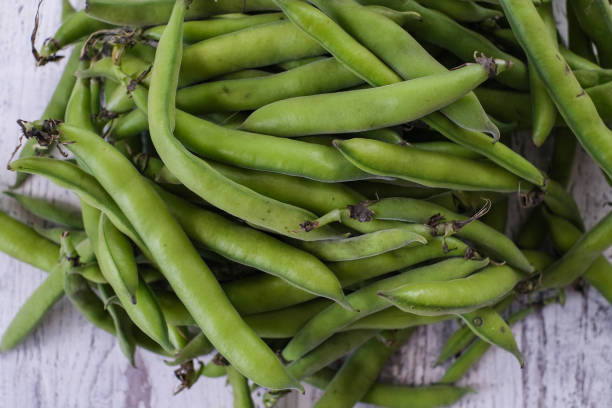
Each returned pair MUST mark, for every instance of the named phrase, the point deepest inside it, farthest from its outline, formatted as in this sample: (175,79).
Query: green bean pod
(492,328)
(263,293)
(263,45)
(393,318)
(573,103)
(595,19)
(129,125)
(312,195)
(448,147)
(23,243)
(255,248)
(475,352)
(395,396)
(287,156)
(240,387)
(462,11)
(360,371)
(326,75)
(411,210)
(366,301)
(577,39)
(75,27)
(48,210)
(194,31)
(564,235)
(384,37)
(432,169)
(120,251)
(35,308)
(186,272)
(456,296)
(592,77)
(364,246)
(564,151)
(130,12)
(366,109)
(338,42)
(544,111)
(576,61)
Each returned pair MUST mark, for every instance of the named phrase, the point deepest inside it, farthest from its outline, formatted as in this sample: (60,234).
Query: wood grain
(68,363)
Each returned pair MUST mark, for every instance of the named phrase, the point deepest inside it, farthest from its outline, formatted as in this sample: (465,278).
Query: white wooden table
(68,363)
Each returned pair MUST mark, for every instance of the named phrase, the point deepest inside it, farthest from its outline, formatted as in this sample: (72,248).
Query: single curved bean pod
(130,12)
(577,39)
(255,248)
(34,309)
(119,251)
(338,42)
(326,75)
(448,147)
(540,260)
(543,108)
(23,243)
(129,125)
(240,387)
(592,77)
(455,296)
(263,152)
(384,37)
(573,103)
(263,293)
(432,169)
(364,246)
(194,31)
(564,235)
(48,210)
(492,328)
(366,301)
(263,45)
(595,19)
(393,318)
(365,109)
(312,195)
(576,61)
(360,370)
(462,11)
(475,352)
(440,30)
(411,210)
(396,396)
(74,28)
(193,283)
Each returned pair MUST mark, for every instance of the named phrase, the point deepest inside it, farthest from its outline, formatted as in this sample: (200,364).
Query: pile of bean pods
(287,188)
